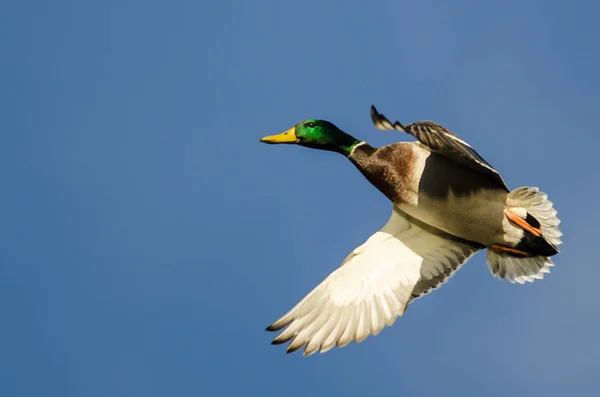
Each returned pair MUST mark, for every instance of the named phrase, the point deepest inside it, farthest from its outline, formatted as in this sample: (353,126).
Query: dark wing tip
(382,123)
(292,349)
(273,328)
(374,115)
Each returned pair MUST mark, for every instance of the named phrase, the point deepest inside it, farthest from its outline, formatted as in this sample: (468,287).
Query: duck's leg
(530,211)
(509,250)
(523,224)
(513,217)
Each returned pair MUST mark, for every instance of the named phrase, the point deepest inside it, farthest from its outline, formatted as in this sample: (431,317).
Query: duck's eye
(311,125)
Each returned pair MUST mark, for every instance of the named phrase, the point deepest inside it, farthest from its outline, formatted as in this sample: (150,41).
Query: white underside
(396,265)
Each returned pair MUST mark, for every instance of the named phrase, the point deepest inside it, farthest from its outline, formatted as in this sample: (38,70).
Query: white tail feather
(514,268)
(536,204)
(517,269)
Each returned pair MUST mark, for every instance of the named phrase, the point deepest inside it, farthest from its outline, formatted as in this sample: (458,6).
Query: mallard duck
(447,204)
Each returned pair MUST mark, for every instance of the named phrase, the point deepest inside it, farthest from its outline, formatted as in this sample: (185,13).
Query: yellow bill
(285,137)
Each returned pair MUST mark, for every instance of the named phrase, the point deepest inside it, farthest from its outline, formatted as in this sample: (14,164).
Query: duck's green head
(316,134)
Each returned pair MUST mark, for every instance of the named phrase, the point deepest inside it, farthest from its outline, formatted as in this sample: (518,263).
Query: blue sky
(147,237)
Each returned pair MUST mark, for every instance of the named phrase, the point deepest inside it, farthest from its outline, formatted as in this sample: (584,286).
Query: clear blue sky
(147,237)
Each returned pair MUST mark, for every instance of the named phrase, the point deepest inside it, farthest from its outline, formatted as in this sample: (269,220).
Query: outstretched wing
(438,139)
(374,285)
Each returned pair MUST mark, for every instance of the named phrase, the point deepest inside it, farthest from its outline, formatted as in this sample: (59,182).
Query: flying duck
(447,204)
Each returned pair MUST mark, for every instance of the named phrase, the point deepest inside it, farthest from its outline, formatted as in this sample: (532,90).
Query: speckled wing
(438,139)
(373,286)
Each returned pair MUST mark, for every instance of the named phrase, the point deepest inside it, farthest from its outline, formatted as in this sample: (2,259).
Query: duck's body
(435,190)
(448,203)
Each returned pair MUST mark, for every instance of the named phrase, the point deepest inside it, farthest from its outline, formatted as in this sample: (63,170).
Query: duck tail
(531,222)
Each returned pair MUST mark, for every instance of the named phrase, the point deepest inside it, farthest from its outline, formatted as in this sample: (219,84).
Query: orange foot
(521,222)
(509,250)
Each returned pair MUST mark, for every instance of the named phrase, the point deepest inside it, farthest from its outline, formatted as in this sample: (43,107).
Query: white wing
(374,285)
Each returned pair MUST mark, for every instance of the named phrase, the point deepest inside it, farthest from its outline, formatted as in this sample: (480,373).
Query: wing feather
(438,139)
(373,286)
